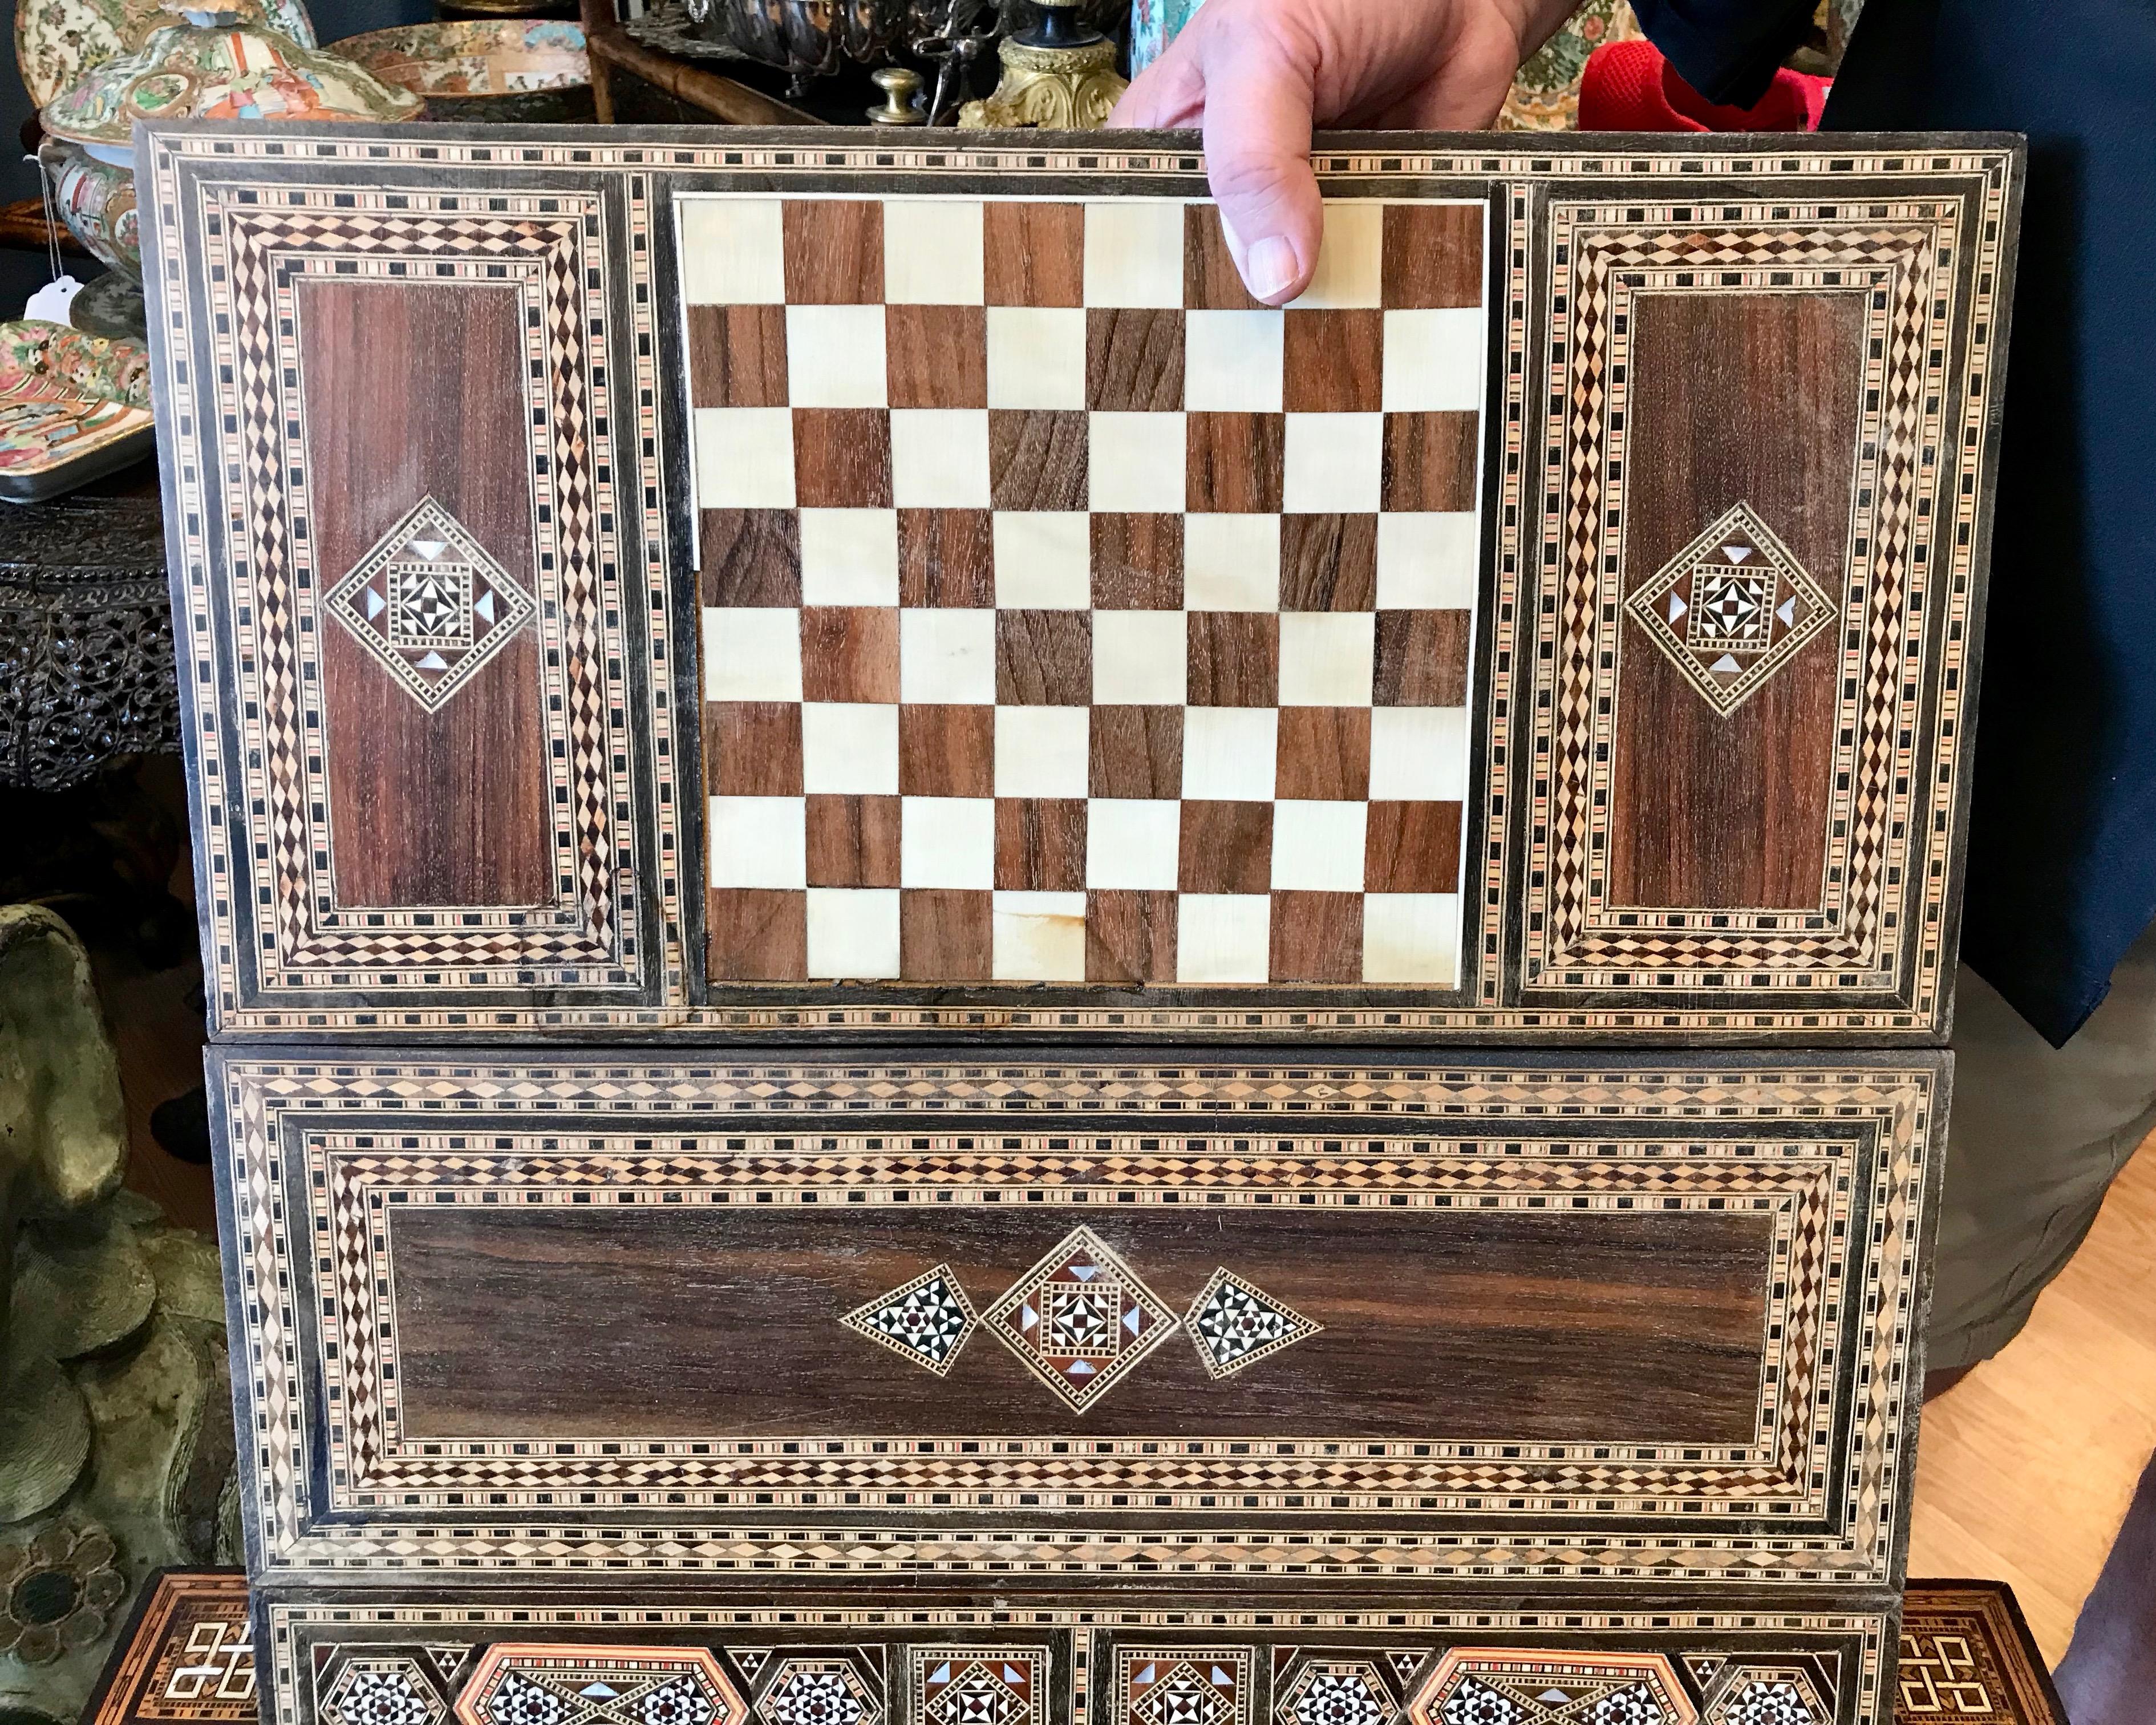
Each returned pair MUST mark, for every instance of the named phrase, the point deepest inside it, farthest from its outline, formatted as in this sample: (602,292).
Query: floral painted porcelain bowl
(209,65)
(203,65)
(58,43)
(492,70)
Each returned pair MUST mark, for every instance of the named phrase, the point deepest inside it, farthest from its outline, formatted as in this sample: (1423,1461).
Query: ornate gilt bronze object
(1060,76)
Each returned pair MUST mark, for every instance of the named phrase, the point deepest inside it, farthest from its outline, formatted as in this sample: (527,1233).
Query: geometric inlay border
(1891,256)
(1870,1120)
(1966,186)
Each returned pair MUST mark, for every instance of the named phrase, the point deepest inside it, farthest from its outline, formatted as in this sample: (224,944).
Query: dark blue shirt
(2062,850)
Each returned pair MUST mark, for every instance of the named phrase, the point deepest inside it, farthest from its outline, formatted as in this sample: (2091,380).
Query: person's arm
(1256,74)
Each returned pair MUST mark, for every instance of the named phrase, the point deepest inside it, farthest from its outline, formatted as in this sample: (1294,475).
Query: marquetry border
(267,240)
(1900,256)
(294,1631)
(642,170)
(357,1185)
(258,242)
(267,1107)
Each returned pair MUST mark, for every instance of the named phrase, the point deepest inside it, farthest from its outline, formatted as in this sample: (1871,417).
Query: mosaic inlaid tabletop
(1068,614)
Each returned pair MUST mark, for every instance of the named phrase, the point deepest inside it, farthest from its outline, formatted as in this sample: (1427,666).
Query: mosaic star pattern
(1234,1325)
(380,1691)
(429,605)
(1068,615)
(927,1321)
(1753,1695)
(1335,1692)
(1731,609)
(599,1685)
(817,1692)
(1080,1320)
(1487,1686)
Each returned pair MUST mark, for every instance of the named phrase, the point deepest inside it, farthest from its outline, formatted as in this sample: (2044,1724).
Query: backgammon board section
(777,584)
(1606,1325)
(870,847)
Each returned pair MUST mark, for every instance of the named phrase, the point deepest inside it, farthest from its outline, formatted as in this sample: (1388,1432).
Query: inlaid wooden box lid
(738,586)
(1066,1322)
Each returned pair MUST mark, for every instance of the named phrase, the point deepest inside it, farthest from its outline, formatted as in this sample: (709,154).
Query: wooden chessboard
(1070,616)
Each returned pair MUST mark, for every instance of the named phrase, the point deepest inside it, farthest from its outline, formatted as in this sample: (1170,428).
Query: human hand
(1257,74)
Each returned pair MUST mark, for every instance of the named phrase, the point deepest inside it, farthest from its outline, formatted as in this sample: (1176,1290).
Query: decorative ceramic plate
(57,41)
(483,69)
(73,407)
(470,58)
(216,72)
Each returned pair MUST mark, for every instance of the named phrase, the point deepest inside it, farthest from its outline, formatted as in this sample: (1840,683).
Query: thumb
(1258,101)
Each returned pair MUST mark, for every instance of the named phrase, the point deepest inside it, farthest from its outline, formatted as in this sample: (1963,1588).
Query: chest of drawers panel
(1559,627)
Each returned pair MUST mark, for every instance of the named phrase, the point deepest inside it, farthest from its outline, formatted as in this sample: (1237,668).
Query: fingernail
(1271,266)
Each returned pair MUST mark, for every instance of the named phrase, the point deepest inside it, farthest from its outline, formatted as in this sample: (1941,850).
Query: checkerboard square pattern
(1069,617)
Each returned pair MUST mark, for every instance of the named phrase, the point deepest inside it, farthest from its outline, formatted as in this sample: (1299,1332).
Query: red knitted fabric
(1628,86)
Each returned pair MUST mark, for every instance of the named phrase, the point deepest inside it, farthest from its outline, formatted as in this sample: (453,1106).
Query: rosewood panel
(414,391)
(1489,1325)
(1419,1303)
(1756,401)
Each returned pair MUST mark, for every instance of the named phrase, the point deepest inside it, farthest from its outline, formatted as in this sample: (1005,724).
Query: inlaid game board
(1068,614)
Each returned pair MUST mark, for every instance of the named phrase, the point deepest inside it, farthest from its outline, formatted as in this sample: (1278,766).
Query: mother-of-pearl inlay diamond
(927,1321)
(1731,609)
(1080,1319)
(1234,1324)
(429,605)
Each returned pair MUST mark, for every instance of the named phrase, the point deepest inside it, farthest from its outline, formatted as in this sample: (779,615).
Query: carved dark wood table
(86,668)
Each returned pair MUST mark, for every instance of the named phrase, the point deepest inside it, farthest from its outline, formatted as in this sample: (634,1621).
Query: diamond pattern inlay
(1199,1686)
(927,1321)
(1080,1319)
(429,605)
(978,1686)
(1235,1324)
(1731,609)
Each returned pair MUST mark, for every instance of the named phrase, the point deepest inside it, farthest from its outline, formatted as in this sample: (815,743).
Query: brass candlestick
(1060,76)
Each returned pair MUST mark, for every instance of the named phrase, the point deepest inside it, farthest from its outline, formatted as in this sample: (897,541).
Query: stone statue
(115,1410)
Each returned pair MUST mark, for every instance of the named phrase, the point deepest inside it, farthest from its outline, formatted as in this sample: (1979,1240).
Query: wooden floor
(2026,1467)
